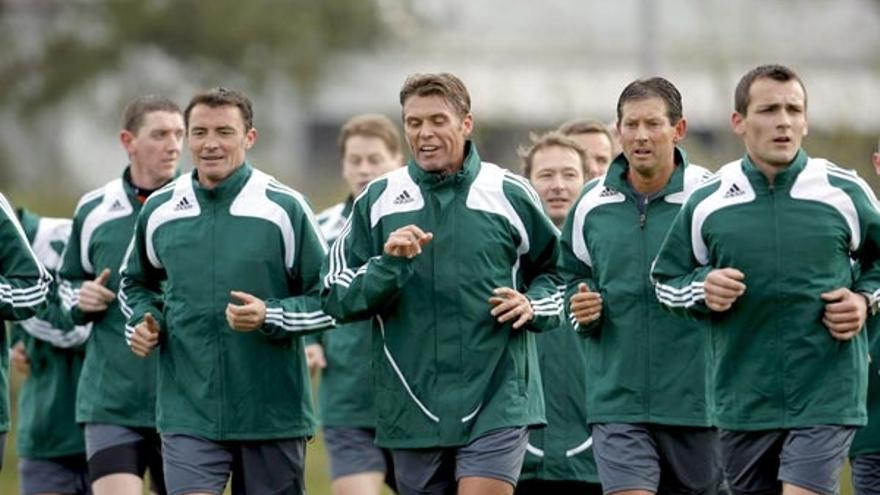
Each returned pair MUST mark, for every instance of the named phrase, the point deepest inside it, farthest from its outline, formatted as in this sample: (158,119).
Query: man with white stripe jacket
(648,408)
(764,252)
(456,260)
(24,284)
(116,395)
(50,443)
(223,275)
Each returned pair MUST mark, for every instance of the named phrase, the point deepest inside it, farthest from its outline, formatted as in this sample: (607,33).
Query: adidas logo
(607,192)
(403,198)
(733,192)
(116,206)
(183,204)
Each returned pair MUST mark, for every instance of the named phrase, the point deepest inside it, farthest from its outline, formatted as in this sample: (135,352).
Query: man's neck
(142,180)
(644,184)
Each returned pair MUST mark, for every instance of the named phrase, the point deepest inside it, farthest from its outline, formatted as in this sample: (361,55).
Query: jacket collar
(230,186)
(432,180)
(784,178)
(616,176)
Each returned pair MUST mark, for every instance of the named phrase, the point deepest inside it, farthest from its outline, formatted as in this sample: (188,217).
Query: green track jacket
(444,371)
(47,426)
(562,451)
(24,284)
(776,365)
(250,233)
(345,395)
(635,370)
(113,387)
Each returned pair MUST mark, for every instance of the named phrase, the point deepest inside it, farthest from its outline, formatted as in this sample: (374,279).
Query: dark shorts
(67,475)
(755,462)
(657,458)
(497,455)
(866,474)
(354,451)
(115,449)
(271,467)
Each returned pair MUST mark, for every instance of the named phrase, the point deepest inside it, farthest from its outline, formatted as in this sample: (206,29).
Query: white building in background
(526,63)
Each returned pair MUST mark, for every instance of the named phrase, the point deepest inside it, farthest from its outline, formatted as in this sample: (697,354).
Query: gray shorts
(657,458)
(194,464)
(498,455)
(354,451)
(755,462)
(102,436)
(866,474)
(68,475)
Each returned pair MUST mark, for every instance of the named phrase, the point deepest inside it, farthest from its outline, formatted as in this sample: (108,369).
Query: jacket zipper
(220,325)
(643,218)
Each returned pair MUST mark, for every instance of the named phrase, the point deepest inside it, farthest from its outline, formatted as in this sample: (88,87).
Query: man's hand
(723,287)
(94,296)
(845,313)
(145,337)
(509,304)
(315,359)
(586,306)
(19,359)
(248,316)
(407,241)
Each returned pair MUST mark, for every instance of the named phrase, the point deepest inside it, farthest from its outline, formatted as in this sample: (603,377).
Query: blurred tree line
(52,48)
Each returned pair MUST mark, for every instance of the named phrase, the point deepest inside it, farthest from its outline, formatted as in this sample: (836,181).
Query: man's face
(218,142)
(775,122)
(154,149)
(647,136)
(876,160)
(599,151)
(435,133)
(558,177)
(365,158)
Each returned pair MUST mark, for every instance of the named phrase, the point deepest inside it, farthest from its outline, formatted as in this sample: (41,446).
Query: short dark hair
(781,73)
(442,84)
(371,125)
(220,97)
(548,140)
(655,87)
(137,109)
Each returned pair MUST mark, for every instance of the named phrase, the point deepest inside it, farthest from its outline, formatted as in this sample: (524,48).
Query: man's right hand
(315,358)
(722,287)
(586,306)
(145,337)
(407,241)
(94,296)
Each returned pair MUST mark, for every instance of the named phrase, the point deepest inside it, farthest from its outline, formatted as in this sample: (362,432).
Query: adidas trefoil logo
(183,204)
(116,206)
(607,192)
(734,191)
(403,198)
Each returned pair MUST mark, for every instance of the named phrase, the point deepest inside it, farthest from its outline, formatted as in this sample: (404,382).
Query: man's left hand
(248,316)
(509,304)
(845,313)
